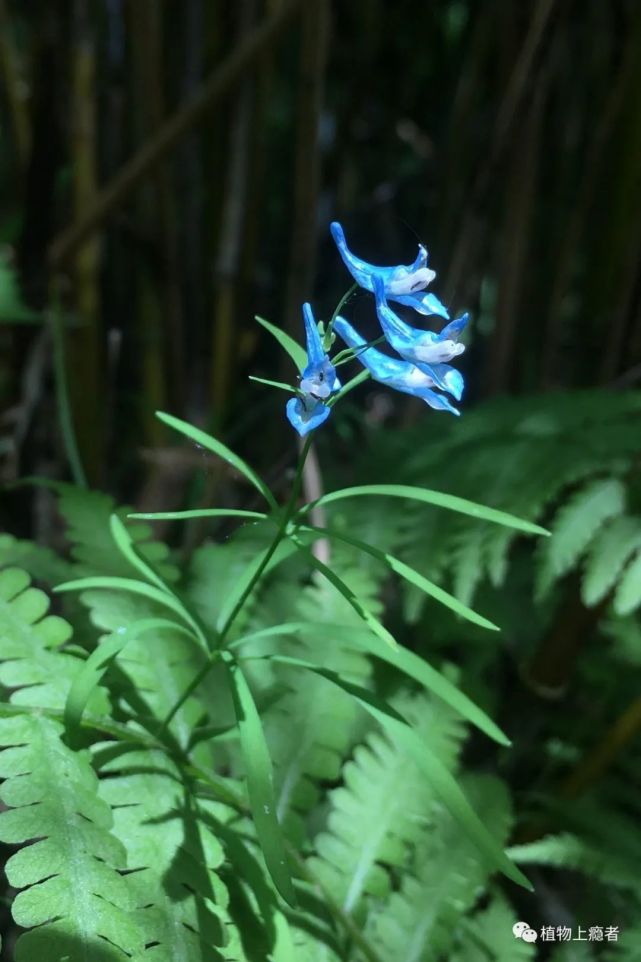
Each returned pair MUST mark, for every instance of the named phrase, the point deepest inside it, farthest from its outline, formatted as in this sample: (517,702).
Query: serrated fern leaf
(214,570)
(487,937)
(41,563)
(628,595)
(73,899)
(179,900)
(30,660)
(159,667)
(309,729)
(576,524)
(572,852)
(93,549)
(609,553)
(378,811)
(444,878)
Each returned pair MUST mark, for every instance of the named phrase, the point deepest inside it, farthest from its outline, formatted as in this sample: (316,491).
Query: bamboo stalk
(579,215)
(84,347)
(519,208)
(15,88)
(606,751)
(524,69)
(219,84)
(231,231)
(311,82)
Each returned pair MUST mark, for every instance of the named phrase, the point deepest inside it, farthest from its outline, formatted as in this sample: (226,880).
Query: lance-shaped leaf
(260,788)
(217,447)
(401,658)
(292,347)
(414,577)
(438,498)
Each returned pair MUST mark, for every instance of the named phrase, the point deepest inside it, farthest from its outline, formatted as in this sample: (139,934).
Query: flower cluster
(421,366)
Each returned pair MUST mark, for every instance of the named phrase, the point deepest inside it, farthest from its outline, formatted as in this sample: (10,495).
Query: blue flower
(319,381)
(429,351)
(400,375)
(404,284)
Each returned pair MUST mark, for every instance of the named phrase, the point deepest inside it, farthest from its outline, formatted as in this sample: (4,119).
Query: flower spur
(318,382)
(404,284)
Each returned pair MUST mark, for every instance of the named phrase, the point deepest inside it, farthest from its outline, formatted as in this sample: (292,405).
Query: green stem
(62,391)
(343,357)
(358,379)
(342,917)
(344,299)
(224,631)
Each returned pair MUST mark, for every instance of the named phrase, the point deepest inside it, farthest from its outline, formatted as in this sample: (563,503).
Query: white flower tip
(411,283)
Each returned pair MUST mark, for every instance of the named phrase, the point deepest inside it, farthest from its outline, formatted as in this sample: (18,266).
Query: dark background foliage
(168,170)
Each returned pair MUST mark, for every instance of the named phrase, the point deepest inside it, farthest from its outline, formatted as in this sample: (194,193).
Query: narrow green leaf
(125,545)
(352,599)
(212,444)
(295,351)
(401,658)
(97,664)
(441,780)
(260,789)
(449,501)
(439,594)
(279,384)
(198,513)
(125,584)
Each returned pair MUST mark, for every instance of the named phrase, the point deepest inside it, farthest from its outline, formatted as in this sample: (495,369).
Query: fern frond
(310,728)
(487,935)
(628,596)
(608,555)
(179,900)
(445,877)
(41,563)
(573,852)
(575,525)
(31,662)
(379,810)
(93,549)
(544,446)
(73,898)
(159,667)
(214,570)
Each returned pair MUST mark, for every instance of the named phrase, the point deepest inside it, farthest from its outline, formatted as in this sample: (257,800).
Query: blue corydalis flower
(429,351)
(404,284)
(318,382)
(400,375)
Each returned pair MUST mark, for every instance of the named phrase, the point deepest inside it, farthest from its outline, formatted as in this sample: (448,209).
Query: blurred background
(170,169)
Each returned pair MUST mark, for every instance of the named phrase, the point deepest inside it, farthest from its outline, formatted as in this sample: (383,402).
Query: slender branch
(10,65)
(224,631)
(221,81)
(343,917)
